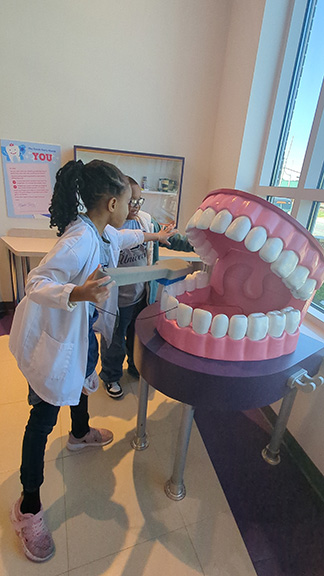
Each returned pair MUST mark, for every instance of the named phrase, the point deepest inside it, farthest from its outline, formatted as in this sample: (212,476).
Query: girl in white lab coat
(52,334)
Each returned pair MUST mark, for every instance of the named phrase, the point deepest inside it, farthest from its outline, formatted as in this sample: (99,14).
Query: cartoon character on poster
(13,152)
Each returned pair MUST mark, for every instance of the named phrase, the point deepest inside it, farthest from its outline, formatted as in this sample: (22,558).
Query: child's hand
(92,290)
(167,230)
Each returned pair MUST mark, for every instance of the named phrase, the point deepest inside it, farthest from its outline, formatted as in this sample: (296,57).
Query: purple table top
(221,384)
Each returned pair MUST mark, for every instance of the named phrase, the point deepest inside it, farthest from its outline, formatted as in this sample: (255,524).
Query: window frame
(308,193)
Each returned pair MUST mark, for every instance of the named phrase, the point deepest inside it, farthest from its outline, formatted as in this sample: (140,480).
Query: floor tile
(116,502)
(14,386)
(220,547)
(168,554)
(4,348)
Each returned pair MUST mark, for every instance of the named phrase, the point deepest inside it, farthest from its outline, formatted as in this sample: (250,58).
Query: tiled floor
(106,507)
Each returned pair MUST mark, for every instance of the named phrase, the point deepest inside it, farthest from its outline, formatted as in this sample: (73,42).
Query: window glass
(293,164)
(302,102)
(316,227)
(285,204)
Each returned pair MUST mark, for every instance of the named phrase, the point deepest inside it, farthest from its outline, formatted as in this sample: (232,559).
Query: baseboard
(308,468)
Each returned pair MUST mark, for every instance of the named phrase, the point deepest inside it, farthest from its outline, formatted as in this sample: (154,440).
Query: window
(292,173)
(302,100)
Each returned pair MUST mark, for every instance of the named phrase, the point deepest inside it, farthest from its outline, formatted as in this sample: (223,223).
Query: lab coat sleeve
(130,238)
(52,281)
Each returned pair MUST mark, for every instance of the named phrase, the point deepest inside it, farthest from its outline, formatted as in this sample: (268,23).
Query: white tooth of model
(305,291)
(199,238)
(201,279)
(210,258)
(221,222)
(206,219)
(171,289)
(239,229)
(255,239)
(258,325)
(203,250)
(164,300)
(219,326)
(194,219)
(184,315)
(201,320)
(277,323)
(237,326)
(285,264)
(287,309)
(297,278)
(190,283)
(193,235)
(271,250)
(179,287)
(172,304)
(292,320)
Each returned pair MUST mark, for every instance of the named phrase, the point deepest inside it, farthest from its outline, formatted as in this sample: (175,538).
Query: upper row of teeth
(284,263)
(256,326)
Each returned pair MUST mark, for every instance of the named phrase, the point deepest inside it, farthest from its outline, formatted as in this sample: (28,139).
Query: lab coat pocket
(51,359)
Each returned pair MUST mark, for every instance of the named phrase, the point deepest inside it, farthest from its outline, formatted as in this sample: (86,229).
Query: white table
(21,249)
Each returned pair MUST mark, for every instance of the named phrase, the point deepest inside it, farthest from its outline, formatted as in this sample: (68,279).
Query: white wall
(142,76)
(241,53)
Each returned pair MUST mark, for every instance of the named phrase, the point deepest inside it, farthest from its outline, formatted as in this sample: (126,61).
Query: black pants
(42,419)
(112,357)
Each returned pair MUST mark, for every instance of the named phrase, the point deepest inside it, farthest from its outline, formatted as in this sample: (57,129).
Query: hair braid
(88,182)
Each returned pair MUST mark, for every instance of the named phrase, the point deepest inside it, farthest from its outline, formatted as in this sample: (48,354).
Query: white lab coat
(49,338)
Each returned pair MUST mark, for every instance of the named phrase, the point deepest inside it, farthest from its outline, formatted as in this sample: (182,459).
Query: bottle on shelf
(144,183)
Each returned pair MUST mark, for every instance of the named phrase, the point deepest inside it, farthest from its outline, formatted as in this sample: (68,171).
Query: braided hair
(77,184)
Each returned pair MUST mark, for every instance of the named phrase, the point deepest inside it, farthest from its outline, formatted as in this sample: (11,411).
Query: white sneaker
(113,389)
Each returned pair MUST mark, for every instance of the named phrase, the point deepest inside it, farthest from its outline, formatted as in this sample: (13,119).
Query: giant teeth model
(264,268)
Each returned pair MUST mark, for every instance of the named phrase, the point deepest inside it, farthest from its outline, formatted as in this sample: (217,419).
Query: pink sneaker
(95,437)
(35,537)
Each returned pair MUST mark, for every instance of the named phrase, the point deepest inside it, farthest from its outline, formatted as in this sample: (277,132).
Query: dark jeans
(42,419)
(112,358)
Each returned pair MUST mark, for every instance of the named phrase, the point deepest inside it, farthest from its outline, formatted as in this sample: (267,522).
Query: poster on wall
(29,171)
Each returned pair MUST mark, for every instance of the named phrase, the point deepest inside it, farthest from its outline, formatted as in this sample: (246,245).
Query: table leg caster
(270,456)
(174,491)
(140,443)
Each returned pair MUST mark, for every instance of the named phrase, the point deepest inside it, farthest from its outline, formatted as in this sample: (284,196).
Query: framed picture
(159,176)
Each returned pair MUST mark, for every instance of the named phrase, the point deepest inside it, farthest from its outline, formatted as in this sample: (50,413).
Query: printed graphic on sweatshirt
(136,256)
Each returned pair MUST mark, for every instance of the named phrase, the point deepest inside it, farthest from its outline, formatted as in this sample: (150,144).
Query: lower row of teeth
(255,326)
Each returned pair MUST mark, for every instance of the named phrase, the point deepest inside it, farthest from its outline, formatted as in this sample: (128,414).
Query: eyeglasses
(133,203)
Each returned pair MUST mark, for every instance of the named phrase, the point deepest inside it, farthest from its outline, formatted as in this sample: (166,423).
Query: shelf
(158,192)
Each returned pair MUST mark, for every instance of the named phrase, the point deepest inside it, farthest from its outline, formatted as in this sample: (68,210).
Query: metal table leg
(175,488)
(140,440)
(271,453)
(25,265)
(13,278)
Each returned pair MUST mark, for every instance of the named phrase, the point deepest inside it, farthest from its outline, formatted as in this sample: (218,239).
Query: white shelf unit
(162,205)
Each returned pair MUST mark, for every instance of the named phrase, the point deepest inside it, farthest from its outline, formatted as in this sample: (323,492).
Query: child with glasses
(133,298)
